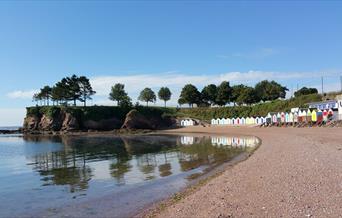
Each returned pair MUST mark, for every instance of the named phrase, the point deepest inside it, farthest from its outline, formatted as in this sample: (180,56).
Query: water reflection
(76,161)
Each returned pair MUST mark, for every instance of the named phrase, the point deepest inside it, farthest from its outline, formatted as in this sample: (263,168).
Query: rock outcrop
(70,123)
(63,121)
(105,124)
(135,120)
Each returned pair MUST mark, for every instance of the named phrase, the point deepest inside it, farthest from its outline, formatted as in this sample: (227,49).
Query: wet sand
(297,172)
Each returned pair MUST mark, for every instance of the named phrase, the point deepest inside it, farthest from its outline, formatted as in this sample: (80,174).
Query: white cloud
(255,54)
(175,81)
(21,94)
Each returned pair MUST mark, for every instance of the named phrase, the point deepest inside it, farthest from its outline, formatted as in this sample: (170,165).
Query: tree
(45,94)
(247,96)
(269,91)
(224,93)
(164,94)
(190,95)
(118,93)
(209,94)
(236,91)
(181,101)
(37,97)
(126,102)
(147,95)
(305,91)
(86,91)
(73,88)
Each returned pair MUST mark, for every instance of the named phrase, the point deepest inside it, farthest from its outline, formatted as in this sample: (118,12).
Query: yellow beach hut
(314,116)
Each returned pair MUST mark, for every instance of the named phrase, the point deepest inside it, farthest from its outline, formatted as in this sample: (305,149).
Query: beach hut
(330,114)
(182,122)
(213,121)
(257,120)
(221,121)
(191,123)
(248,120)
(274,118)
(314,116)
(226,121)
(291,117)
(278,117)
(243,121)
(295,117)
(308,115)
(233,121)
(303,115)
(268,118)
(319,116)
(325,115)
(282,117)
(263,120)
(300,117)
(252,120)
(238,121)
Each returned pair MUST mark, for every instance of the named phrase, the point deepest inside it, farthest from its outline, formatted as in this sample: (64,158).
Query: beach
(296,172)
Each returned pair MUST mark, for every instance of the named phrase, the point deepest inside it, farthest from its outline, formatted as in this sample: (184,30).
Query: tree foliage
(119,95)
(164,94)
(224,93)
(147,95)
(190,95)
(72,88)
(209,94)
(269,91)
(305,91)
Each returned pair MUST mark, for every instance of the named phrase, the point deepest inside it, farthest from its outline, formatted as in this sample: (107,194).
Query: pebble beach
(296,172)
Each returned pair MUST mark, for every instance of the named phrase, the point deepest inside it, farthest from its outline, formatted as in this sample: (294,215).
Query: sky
(165,43)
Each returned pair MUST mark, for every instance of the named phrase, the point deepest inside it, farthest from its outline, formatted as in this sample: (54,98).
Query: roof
(331,104)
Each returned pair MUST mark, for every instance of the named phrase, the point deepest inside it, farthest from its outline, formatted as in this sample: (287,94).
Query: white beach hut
(213,121)
(263,120)
(291,117)
(243,121)
(229,121)
(221,121)
(295,117)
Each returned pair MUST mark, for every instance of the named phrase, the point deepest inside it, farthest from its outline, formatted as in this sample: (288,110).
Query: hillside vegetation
(244,111)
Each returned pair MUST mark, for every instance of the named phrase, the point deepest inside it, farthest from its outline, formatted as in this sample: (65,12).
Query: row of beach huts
(302,116)
(317,113)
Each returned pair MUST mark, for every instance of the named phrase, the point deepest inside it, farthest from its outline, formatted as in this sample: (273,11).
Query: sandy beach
(296,172)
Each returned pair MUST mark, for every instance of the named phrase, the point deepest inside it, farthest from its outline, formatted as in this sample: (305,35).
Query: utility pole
(322,86)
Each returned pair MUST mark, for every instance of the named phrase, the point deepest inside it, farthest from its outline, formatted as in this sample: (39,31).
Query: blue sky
(151,43)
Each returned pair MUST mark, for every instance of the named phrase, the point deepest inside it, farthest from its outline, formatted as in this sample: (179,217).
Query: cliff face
(54,119)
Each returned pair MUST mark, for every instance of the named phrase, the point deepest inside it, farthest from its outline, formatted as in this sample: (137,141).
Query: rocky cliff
(63,120)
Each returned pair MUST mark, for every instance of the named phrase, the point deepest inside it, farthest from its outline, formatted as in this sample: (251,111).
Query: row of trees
(72,88)
(224,94)
(76,88)
(147,95)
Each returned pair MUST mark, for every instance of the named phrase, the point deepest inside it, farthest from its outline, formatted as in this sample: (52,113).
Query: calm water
(103,176)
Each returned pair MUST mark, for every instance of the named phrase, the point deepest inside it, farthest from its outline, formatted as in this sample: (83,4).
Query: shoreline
(286,176)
